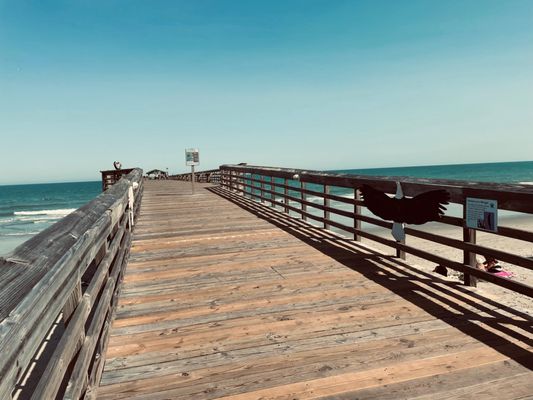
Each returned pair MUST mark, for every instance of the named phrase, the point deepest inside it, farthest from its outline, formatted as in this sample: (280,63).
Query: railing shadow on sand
(500,327)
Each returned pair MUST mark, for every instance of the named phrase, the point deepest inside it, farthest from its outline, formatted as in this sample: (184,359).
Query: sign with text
(482,214)
(192,157)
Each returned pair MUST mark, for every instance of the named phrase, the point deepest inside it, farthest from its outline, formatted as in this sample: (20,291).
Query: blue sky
(306,84)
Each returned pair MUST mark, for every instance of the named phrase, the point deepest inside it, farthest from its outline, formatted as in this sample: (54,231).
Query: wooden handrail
(65,279)
(288,189)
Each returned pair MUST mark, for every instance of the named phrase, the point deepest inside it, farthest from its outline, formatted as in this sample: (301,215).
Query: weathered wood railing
(110,177)
(288,190)
(208,176)
(57,296)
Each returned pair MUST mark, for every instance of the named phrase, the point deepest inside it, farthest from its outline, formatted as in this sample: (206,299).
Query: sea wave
(526,183)
(56,213)
(19,233)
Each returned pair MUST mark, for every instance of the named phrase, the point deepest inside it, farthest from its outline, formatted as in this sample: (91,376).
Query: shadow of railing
(504,329)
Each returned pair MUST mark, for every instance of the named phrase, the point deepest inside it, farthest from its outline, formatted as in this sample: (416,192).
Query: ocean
(503,172)
(28,209)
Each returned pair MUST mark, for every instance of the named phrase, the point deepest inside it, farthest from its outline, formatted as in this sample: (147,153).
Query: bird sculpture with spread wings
(425,207)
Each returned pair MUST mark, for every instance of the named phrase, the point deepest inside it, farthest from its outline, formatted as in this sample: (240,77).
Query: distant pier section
(206,176)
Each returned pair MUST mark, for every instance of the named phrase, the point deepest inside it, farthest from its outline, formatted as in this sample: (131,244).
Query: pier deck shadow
(226,298)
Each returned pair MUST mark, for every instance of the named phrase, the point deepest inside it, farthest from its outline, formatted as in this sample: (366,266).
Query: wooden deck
(219,302)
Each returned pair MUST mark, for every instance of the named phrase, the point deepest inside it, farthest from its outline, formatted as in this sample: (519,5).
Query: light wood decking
(218,302)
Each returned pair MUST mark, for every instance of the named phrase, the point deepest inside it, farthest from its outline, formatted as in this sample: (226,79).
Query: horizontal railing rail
(207,176)
(57,296)
(290,190)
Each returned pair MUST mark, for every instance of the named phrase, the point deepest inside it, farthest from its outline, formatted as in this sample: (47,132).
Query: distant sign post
(192,158)
(482,214)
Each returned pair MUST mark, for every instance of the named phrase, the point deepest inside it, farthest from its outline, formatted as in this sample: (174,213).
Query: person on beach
(487,264)
(491,265)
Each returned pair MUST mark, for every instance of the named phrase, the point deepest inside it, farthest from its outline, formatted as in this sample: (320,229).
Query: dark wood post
(400,253)
(240,183)
(303,197)
(469,258)
(273,190)
(251,186)
(357,212)
(286,192)
(326,204)
(262,188)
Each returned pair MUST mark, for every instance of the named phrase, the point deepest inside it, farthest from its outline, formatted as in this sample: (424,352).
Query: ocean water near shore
(26,210)
(503,172)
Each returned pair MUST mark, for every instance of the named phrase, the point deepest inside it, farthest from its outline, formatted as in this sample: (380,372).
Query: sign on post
(192,158)
(482,214)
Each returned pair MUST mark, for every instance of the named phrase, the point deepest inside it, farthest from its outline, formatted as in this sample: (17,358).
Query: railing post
(286,192)
(326,204)
(238,182)
(469,258)
(400,253)
(262,188)
(357,213)
(72,302)
(303,197)
(273,190)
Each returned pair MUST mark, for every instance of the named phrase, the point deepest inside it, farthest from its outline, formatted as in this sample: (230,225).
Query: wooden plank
(258,313)
(319,378)
(494,381)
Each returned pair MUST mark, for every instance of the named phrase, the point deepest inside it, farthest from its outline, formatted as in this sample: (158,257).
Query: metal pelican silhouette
(422,208)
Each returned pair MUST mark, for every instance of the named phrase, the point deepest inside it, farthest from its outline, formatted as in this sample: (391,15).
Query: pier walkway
(226,298)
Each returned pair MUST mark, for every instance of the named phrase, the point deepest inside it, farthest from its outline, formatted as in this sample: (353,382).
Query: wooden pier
(243,291)
(225,297)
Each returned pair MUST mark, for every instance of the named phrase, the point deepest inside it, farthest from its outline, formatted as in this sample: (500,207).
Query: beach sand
(501,295)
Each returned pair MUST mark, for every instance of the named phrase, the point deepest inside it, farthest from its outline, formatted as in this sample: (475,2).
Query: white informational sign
(192,157)
(482,214)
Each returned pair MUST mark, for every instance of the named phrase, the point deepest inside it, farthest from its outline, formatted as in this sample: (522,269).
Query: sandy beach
(503,296)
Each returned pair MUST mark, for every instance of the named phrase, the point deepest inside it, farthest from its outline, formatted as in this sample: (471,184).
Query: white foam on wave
(19,234)
(525,183)
(55,213)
